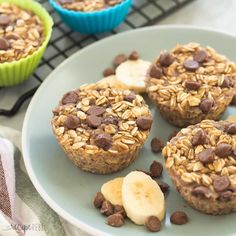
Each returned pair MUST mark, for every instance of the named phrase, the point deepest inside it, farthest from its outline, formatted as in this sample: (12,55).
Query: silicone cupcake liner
(94,22)
(13,73)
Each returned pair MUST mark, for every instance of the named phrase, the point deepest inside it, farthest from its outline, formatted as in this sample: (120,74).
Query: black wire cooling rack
(65,42)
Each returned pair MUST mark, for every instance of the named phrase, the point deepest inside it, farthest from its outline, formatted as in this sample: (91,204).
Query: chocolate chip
(4,44)
(191,65)
(103,141)
(163,186)
(120,209)
(179,218)
(144,122)
(115,220)
(130,97)
(96,110)
(223,150)
(206,156)
(227,83)
(233,102)
(201,191)
(72,122)
(156,169)
(70,97)
(221,183)
(119,59)
(110,120)
(199,138)
(98,200)
(93,121)
(192,85)
(108,71)
(4,20)
(156,145)
(153,224)
(166,59)
(231,129)
(107,208)
(134,55)
(225,196)
(155,72)
(206,105)
(173,134)
(200,56)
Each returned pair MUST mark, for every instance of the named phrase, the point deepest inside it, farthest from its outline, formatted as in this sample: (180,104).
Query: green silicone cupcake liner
(13,73)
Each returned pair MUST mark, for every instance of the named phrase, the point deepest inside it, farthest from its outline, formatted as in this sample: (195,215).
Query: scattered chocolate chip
(221,183)
(119,59)
(153,224)
(107,208)
(115,220)
(96,110)
(72,122)
(93,121)
(201,191)
(200,56)
(233,102)
(110,120)
(70,97)
(12,36)
(4,20)
(192,85)
(173,134)
(156,145)
(98,200)
(206,105)
(103,141)
(155,72)
(179,218)
(223,150)
(130,97)
(226,83)
(225,196)
(120,209)
(163,186)
(166,59)
(4,44)
(206,156)
(191,65)
(134,55)
(156,169)
(199,138)
(108,71)
(231,129)
(144,122)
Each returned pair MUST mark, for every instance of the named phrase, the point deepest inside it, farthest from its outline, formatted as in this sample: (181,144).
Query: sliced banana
(132,73)
(142,197)
(112,82)
(111,190)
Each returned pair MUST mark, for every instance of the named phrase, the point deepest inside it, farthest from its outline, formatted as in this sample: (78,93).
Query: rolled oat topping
(116,121)
(21,32)
(208,167)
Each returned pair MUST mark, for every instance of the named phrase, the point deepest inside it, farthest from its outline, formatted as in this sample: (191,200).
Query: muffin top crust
(88,5)
(203,157)
(191,79)
(99,118)
(21,32)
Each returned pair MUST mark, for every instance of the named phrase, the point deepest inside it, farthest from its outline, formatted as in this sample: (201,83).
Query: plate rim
(26,156)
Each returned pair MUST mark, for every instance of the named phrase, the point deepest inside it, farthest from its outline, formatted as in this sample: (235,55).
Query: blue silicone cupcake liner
(93,22)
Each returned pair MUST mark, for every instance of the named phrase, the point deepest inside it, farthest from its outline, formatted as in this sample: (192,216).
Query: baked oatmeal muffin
(201,161)
(101,129)
(191,83)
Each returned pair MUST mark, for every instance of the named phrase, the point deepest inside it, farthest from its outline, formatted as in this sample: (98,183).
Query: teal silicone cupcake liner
(94,22)
(13,73)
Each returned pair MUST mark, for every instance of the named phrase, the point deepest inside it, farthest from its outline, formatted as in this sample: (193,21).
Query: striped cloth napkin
(22,211)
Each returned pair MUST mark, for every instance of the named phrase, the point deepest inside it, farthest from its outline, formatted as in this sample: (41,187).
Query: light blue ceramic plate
(69,190)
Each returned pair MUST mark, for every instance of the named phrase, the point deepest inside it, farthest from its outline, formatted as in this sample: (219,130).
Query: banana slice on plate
(132,73)
(111,190)
(142,197)
(112,81)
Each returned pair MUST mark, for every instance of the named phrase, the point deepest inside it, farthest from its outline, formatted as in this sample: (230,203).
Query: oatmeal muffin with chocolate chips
(201,161)
(191,83)
(101,129)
